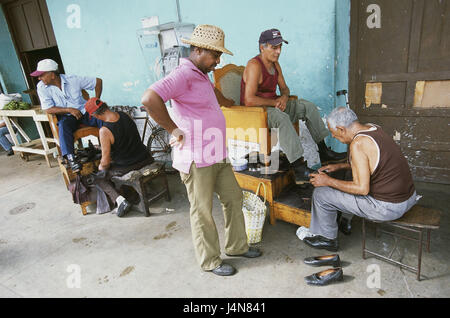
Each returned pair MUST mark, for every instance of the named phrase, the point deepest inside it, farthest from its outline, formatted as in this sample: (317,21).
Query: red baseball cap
(92,105)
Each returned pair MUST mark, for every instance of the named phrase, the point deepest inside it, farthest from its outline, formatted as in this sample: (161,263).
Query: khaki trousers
(201,183)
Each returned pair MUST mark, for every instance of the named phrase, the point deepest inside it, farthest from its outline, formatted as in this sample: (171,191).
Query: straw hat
(208,37)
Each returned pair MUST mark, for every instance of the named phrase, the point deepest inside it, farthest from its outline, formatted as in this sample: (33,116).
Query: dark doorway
(29,62)
(400,77)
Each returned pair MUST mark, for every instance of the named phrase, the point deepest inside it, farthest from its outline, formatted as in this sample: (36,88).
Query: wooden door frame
(413,60)
(406,113)
(24,63)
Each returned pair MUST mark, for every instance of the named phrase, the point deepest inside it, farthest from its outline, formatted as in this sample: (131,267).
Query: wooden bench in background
(150,183)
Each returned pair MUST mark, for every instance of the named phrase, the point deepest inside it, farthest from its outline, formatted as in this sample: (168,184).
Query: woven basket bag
(255,211)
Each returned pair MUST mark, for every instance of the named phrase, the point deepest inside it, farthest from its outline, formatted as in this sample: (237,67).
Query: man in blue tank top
(122,149)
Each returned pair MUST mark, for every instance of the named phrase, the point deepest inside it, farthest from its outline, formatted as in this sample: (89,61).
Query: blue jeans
(67,124)
(3,140)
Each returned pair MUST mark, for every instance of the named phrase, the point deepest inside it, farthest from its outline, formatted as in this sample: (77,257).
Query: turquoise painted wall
(315,62)
(342,58)
(342,47)
(309,26)
(11,74)
(106,45)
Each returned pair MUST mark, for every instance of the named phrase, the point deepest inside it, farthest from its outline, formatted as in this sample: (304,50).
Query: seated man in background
(259,83)
(382,188)
(61,95)
(122,149)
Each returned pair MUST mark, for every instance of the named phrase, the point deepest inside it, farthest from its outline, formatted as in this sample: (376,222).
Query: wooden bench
(145,182)
(417,220)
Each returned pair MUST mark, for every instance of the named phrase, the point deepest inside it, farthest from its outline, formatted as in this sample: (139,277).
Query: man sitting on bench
(122,149)
(259,83)
(382,188)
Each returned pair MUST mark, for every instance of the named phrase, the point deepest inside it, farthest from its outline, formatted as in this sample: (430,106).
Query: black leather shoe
(251,253)
(10,152)
(321,242)
(329,156)
(123,208)
(74,163)
(301,170)
(345,226)
(325,277)
(333,260)
(224,270)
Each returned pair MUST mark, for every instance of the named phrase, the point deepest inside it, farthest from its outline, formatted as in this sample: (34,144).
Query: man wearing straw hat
(198,137)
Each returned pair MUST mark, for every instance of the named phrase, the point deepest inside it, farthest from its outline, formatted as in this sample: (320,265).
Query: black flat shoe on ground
(321,242)
(325,277)
(332,260)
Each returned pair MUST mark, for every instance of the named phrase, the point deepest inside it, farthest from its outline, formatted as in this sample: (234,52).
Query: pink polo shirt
(197,113)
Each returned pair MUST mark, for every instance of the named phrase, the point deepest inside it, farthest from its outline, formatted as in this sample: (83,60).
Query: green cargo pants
(296,110)
(201,183)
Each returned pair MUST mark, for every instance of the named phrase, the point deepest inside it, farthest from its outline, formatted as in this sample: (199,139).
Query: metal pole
(363,238)
(178,10)
(419,265)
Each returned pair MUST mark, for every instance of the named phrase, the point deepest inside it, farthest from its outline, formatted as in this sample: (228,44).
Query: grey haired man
(382,188)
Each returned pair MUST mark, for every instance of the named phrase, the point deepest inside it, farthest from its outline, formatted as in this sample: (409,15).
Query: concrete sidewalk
(46,244)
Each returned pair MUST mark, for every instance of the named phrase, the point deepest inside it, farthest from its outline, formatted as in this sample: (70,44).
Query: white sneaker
(303,232)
